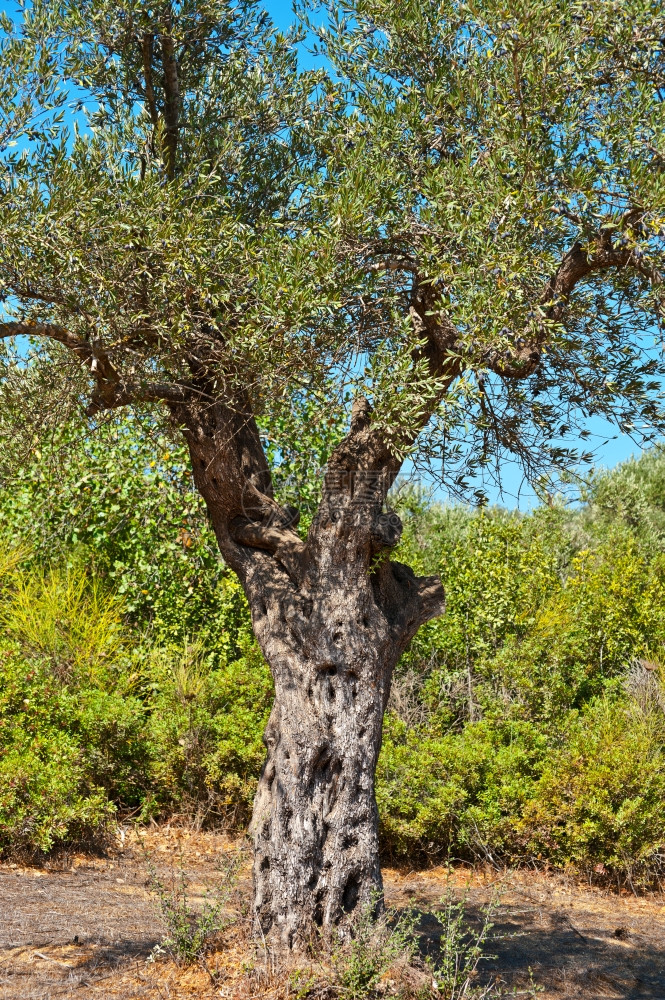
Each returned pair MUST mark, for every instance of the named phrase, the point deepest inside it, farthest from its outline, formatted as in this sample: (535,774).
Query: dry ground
(84,927)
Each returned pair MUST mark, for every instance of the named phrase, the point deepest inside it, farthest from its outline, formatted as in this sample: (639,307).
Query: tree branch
(113,395)
(171,93)
(577,264)
(146,50)
(363,449)
(51,331)
(281,541)
(112,390)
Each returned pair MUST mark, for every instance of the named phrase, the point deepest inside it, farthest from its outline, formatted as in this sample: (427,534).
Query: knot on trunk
(277,536)
(386,531)
(407,600)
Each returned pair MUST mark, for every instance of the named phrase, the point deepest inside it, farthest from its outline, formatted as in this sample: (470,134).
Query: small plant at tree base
(374,946)
(302,984)
(190,931)
(461,950)
(381,957)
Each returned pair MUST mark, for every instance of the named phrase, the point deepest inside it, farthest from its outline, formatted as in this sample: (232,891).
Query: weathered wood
(332,616)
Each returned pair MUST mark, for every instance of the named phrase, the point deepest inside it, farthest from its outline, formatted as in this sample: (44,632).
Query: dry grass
(84,928)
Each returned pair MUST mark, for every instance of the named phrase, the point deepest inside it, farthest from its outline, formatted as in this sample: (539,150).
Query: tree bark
(332,615)
(332,645)
(315,822)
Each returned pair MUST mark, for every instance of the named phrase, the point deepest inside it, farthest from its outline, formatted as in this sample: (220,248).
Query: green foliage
(471,176)
(634,495)
(46,798)
(64,620)
(70,732)
(521,724)
(379,957)
(73,747)
(123,498)
(299,230)
(207,230)
(93,719)
(495,568)
(298,445)
(610,610)
(598,802)
(461,950)
(528,723)
(458,791)
(206,728)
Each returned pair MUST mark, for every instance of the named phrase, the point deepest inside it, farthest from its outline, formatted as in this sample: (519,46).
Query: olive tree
(452,239)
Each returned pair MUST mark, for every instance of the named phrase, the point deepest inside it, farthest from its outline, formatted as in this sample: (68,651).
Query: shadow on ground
(87,931)
(570,942)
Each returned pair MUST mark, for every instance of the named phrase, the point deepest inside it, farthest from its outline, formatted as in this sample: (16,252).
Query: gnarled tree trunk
(315,823)
(332,615)
(332,647)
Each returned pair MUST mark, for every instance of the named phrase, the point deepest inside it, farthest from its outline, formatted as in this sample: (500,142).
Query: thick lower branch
(286,546)
(113,391)
(50,331)
(110,396)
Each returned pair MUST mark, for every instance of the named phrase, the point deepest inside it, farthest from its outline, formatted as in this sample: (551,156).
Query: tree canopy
(460,218)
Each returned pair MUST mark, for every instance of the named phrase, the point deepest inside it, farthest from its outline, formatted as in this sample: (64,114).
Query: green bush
(95,719)
(104,502)
(589,797)
(45,796)
(458,793)
(610,609)
(206,729)
(523,725)
(69,754)
(599,802)
(508,712)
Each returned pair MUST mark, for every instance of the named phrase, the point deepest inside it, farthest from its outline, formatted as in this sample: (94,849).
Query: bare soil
(85,927)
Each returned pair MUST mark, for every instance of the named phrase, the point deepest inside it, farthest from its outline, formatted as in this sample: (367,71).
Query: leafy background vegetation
(527,725)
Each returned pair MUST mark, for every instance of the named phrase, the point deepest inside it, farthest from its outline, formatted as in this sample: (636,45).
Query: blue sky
(609,446)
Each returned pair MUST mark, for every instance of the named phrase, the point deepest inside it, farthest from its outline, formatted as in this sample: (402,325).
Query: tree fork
(332,616)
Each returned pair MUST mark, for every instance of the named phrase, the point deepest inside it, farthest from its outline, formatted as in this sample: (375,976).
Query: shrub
(369,948)
(63,617)
(46,799)
(458,792)
(67,754)
(599,802)
(521,725)
(104,501)
(94,718)
(460,952)
(206,729)
(611,609)
(380,957)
